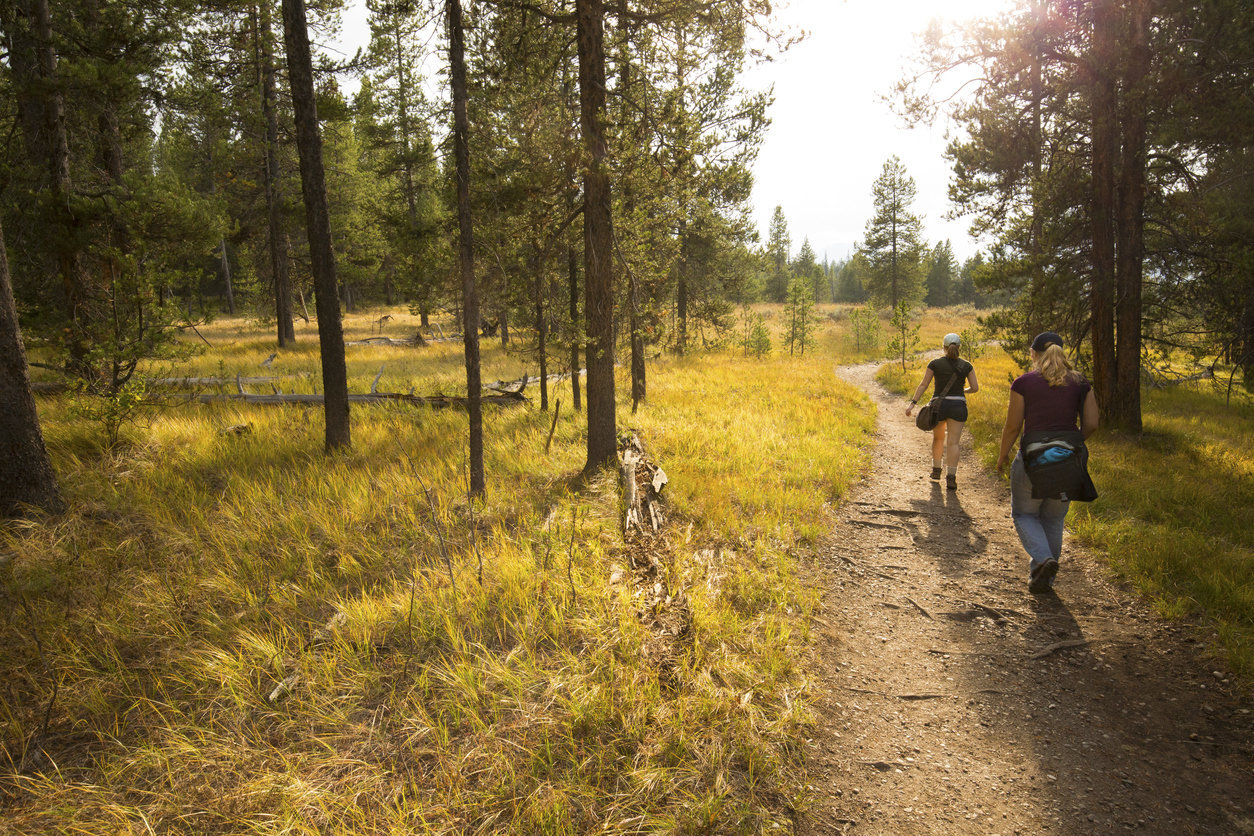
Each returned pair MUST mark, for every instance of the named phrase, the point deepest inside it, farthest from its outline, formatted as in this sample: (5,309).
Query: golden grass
(240,634)
(1172,518)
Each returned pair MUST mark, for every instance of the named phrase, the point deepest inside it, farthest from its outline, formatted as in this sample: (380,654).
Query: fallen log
(415,340)
(193,382)
(642,482)
(433,401)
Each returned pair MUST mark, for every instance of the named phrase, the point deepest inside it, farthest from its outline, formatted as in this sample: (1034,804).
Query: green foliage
(757,337)
(904,341)
(972,346)
(941,276)
(114,410)
(778,245)
(865,329)
(850,279)
(801,315)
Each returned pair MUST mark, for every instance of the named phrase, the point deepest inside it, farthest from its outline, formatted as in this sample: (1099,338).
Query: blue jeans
(1038,521)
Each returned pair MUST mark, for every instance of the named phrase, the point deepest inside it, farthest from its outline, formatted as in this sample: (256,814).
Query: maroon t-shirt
(1048,407)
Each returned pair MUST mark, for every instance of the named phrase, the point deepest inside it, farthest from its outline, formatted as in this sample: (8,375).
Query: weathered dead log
(408,342)
(642,488)
(193,382)
(433,401)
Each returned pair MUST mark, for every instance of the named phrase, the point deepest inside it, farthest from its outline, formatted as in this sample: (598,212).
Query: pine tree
(777,248)
(940,276)
(893,245)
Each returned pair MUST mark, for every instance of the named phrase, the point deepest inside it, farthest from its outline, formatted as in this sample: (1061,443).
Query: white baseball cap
(951,339)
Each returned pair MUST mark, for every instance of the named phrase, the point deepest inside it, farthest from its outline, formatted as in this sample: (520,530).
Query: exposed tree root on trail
(950,700)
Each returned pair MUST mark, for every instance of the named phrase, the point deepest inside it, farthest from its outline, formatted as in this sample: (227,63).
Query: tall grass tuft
(237,633)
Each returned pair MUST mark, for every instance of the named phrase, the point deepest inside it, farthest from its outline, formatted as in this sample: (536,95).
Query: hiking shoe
(1042,580)
(951,483)
(936,472)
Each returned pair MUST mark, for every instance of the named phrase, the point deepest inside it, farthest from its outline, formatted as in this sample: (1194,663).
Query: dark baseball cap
(1045,339)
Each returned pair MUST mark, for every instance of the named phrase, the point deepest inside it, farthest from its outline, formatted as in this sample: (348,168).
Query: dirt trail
(950,700)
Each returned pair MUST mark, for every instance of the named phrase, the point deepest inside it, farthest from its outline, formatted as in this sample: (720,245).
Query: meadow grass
(1172,518)
(237,633)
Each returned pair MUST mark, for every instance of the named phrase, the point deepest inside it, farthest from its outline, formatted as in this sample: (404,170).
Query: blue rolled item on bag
(1054,454)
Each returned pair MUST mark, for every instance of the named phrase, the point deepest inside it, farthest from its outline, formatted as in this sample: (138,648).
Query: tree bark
(598,237)
(542,331)
(625,79)
(321,253)
(572,264)
(1102,291)
(279,268)
(26,475)
(1125,406)
(466,245)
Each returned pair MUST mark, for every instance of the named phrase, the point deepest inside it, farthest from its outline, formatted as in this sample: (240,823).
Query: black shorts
(953,409)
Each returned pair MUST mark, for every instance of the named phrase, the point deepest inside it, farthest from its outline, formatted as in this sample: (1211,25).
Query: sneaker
(1042,580)
(936,472)
(951,483)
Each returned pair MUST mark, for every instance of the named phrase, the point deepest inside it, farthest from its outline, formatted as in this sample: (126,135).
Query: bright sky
(831,130)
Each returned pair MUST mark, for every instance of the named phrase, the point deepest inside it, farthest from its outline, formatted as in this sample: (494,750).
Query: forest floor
(949,699)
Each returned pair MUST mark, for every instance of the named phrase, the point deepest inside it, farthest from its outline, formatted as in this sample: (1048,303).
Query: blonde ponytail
(1053,365)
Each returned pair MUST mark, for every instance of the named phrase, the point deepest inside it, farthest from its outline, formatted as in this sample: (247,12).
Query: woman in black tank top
(951,374)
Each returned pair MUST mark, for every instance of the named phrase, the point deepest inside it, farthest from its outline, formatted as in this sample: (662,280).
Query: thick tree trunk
(1125,406)
(598,238)
(321,253)
(278,240)
(1102,292)
(26,476)
(466,244)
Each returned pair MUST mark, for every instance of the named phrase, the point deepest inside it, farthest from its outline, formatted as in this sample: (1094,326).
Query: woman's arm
(1014,421)
(918,393)
(1089,415)
(974,385)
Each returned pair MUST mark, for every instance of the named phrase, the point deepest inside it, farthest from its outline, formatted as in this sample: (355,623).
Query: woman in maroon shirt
(1045,404)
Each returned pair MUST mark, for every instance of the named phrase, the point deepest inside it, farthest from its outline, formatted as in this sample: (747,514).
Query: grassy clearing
(1173,514)
(238,634)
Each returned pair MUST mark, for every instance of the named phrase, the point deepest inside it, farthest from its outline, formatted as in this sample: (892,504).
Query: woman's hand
(909,407)
(1002,461)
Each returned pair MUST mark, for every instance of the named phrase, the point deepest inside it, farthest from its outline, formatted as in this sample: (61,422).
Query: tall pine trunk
(279,268)
(598,237)
(466,243)
(1125,406)
(26,475)
(625,79)
(321,253)
(1104,139)
(542,330)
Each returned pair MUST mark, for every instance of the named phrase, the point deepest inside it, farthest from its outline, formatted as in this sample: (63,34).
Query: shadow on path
(950,700)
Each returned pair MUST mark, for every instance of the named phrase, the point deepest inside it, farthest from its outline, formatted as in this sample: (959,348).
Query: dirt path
(950,700)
